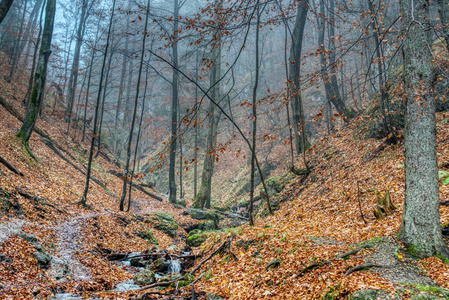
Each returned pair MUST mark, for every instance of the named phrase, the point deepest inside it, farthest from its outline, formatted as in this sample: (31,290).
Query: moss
(165,222)
(148,236)
(443,258)
(196,238)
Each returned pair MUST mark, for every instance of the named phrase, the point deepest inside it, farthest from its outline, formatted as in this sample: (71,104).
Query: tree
(295,73)
(174,108)
(136,101)
(5,5)
(37,94)
(204,194)
(94,133)
(420,228)
(76,60)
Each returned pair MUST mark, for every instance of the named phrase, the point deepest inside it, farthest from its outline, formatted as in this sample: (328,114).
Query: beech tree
(37,93)
(420,228)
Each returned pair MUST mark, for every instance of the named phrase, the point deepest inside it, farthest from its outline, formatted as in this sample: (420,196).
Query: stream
(171,265)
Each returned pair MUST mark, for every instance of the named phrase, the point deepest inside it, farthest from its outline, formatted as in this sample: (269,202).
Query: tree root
(313,266)
(9,166)
(362,267)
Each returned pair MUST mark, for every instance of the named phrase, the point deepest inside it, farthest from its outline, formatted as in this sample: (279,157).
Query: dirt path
(11,228)
(70,243)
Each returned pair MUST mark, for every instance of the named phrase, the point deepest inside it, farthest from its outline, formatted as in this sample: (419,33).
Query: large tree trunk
(5,5)
(37,95)
(174,108)
(75,64)
(295,73)
(420,229)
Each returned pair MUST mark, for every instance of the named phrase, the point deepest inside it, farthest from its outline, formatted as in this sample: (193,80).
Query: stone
(207,226)
(369,295)
(199,214)
(165,222)
(182,202)
(4,258)
(211,296)
(58,269)
(43,259)
(195,238)
(136,262)
(274,186)
(147,235)
(145,277)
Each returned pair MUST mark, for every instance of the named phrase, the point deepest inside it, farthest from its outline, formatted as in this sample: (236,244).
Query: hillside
(51,246)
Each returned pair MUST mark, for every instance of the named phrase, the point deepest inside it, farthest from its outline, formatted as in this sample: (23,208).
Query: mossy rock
(213,297)
(207,226)
(196,238)
(182,202)
(165,222)
(429,292)
(145,277)
(369,295)
(185,281)
(274,186)
(199,214)
(148,236)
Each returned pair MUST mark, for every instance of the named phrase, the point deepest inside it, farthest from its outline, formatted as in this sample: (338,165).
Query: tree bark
(443,10)
(420,228)
(174,108)
(204,194)
(295,73)
(75,64)
(5,5)
(37,94)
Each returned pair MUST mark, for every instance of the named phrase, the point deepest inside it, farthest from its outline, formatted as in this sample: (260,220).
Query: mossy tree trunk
(37,93)
(204,193)
(420,229)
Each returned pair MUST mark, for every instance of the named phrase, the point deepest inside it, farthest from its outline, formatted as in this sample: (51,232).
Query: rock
(186,280)
(58,269)
(147,235)
(145,277)
(369,295)
(274,186)
(4,258)
(199,214)
(165,222)
(172,248)
(182,202)
(43,259)
(136,262)
(211,296)
(207,226)
(195,238)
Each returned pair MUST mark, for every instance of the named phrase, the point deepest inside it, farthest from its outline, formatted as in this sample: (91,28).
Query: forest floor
(316,245)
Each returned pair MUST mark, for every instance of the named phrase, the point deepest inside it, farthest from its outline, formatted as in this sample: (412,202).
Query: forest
(224,149)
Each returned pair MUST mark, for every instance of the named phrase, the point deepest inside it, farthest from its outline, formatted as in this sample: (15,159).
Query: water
(126,286)
(175,266)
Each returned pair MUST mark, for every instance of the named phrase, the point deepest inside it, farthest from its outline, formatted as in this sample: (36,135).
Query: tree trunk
(204,194)
(174,108)
(443,10)
(94,134)
(75,64)
(5,5)
(37,94)
(295,73)
(136,101)
(17,43)
(254,117)
(420,228)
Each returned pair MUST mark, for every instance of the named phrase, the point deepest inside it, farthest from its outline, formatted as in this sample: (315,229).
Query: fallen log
(9,166)
(233,216)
